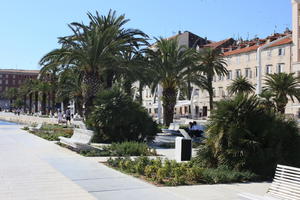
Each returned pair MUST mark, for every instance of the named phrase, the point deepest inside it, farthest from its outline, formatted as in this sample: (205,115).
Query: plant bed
(116,149)
(121,149)
(171,173)
(52,132)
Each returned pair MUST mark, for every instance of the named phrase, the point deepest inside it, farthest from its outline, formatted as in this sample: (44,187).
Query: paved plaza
(33,168)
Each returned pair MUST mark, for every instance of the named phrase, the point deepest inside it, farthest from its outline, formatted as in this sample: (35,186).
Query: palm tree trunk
(25,105)
(169,102)
(44,98)
(210,92)
(30,103)
(36,102)
(53,102)
(92,84)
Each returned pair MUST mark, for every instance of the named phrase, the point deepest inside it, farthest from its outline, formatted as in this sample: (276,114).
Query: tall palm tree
(95,49)
(240,85)
(211,63)
(50,73)
(69,87)
(283,86)
(170,63)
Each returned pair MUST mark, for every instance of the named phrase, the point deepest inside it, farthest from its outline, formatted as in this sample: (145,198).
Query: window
(229,75)
(221,92)
(238,73)
(248,57)
(248,73)
(281,51)
(280,67)
(20,81)
(14,82)
(1,75)
(14,76)
(238,59)
(269,53)
(220,78)
(269,69)
(256,71)
(6,82)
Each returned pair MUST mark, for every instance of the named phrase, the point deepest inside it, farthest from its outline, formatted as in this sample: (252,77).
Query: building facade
(11,78)
(253,59)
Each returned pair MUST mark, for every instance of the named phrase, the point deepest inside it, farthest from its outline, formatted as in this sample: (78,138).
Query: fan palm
(282,86)
(211,63)
(170,63)
(240,85)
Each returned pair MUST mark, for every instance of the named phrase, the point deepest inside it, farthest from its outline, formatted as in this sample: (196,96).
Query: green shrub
(161,174)
(121,149)
(141,164)
(130,149)
(117,118)
(25,128)
(150,171)
(194,174)
(245,137)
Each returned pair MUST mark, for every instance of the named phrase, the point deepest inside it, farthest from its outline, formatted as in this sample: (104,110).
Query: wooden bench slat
(288,167)
(287,171)
(284,190)
(286,180)
(285,185)
(284,196)
(279,182)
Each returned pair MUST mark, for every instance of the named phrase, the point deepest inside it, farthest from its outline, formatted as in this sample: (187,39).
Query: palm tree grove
(136,103)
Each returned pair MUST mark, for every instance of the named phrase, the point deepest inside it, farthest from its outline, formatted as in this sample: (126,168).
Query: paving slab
(26,177)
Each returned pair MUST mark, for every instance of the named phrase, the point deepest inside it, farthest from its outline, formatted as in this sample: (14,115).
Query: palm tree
(211,63)
(240,85)
(50,73)
(11,94)
(95,49)
(282,86)
(170,63)
(69,87)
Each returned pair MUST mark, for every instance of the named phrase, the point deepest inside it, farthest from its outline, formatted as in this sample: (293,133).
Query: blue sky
(29,29)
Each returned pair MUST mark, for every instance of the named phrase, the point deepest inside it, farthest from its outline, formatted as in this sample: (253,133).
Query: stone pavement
(33,168)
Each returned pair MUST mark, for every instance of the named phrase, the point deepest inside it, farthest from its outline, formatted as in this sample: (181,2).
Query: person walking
(68,116)
(60,116)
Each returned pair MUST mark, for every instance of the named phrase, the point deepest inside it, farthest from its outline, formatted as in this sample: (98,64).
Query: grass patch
(51,132)
(171,173)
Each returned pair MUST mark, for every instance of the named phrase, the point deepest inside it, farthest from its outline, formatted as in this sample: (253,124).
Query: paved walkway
(33,168)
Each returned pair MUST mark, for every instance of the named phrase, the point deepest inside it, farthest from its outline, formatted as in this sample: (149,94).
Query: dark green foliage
(173,173)
(240,85)
(244,136)
(117,118)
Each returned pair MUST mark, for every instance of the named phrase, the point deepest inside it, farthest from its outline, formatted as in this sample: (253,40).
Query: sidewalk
(33,168)
(40,166)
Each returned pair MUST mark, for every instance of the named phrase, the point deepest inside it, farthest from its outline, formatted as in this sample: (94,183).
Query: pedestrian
(68,116)
(18,111)
(60,116)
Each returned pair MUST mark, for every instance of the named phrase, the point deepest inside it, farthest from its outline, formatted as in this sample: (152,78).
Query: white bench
(173,128)
(80,139)
(285,186)
(36,128)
